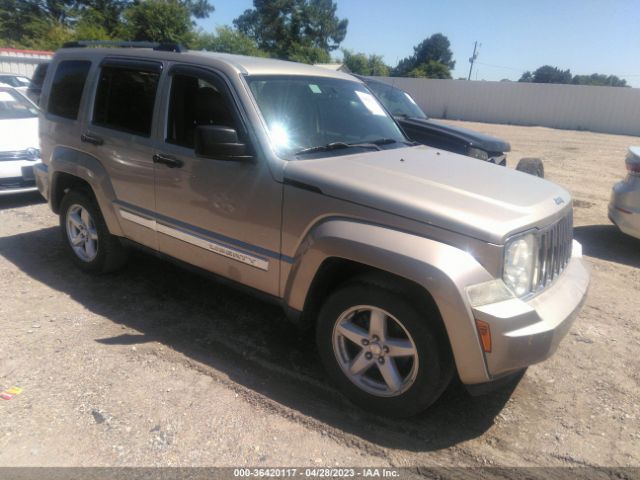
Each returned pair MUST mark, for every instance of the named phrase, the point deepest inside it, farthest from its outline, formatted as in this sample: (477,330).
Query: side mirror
(220,143)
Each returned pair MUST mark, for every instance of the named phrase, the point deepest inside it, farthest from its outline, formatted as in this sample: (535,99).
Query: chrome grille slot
(554,251)
(15,155)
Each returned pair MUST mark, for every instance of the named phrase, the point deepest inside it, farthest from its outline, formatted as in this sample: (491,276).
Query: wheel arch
(338,250)
(71,169)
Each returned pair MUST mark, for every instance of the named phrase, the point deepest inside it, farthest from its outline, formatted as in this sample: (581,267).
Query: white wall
(576,107)
(21,62)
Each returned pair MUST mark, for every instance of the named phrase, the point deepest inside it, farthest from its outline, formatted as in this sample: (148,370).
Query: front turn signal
(484,332)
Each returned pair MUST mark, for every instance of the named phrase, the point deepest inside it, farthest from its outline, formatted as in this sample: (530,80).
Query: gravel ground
(156,366)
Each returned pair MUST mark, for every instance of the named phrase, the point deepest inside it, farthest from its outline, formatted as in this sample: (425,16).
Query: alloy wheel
(82,233)
(375,351)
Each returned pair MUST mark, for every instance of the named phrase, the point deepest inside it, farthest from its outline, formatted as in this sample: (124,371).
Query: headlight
(477,153)
(519,263)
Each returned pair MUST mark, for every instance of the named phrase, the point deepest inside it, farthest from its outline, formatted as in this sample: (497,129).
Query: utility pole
(473,58)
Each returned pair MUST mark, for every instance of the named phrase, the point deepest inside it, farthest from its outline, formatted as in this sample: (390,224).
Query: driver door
(220,215)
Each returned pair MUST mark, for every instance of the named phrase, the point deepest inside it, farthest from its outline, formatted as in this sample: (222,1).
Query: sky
(585,36)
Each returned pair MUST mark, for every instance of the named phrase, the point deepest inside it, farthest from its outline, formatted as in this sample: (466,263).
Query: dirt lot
(158,366)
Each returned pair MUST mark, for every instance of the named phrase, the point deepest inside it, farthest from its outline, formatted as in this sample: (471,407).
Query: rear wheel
(382,352)
(86,235)
(532,166)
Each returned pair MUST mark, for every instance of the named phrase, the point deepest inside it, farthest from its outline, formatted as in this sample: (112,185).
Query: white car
(19,82)
(19,142)
(624,208)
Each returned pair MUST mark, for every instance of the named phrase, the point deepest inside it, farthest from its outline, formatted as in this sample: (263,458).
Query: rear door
(119,134)
(221,215)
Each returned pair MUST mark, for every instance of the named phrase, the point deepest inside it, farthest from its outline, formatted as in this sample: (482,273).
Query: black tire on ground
(532,166)
(435,362)
(110,253)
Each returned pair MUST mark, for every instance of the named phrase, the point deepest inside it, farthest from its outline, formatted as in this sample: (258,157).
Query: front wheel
(382,352)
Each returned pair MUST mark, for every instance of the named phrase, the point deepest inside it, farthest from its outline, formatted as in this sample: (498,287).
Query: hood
(450,191)
(473,138)
(19,134)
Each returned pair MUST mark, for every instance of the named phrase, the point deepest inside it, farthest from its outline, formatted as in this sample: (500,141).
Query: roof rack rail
(159,46)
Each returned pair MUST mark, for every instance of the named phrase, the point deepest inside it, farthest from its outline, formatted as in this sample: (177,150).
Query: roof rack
(159,46)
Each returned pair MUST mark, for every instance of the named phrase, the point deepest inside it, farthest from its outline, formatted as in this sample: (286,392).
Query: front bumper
(17,176)
(624,207)
(41,172)
(524,332)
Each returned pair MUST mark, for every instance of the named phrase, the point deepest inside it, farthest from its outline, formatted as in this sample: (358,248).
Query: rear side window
(66,90)
(125,99)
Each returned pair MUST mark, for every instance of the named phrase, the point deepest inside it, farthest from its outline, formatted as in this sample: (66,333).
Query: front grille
(554,251)
(15,182)
(18,155)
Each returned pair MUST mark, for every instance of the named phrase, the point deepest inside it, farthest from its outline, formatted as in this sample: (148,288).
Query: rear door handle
(91,139)
(168,160)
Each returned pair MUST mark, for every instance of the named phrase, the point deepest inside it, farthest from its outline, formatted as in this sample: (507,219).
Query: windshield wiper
(373,144)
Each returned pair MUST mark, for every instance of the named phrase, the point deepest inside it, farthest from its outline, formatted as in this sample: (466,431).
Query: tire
(532,166)
(420,379)
(81,222)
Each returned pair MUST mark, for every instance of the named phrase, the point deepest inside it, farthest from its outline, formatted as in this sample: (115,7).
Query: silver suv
(411,263)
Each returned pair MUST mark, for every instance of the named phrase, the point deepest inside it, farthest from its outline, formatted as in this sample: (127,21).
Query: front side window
(14,106)
(66,89)
(194,102)
(125,98)
(303,113)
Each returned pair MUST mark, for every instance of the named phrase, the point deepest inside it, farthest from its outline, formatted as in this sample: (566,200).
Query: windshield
(13,105)
(14,80)
(314,115)
(399,103)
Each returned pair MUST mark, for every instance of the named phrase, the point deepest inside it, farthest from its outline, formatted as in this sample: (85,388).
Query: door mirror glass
(220,143)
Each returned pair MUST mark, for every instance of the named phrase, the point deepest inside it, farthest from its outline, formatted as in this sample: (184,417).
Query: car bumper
(524,332)
(41,172)
(624,207)
(17,176)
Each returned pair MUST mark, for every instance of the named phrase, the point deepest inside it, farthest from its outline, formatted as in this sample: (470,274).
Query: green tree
(308,54)
(99,19)
(29,23)
(228,40)
(432,56)
(547,74)
(526,77)
(46,24)
(158,20)
(599,79)
(301,30)
(362,64)
(430,69)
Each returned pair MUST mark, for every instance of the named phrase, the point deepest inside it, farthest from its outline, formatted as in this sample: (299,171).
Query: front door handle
(92,139)
(168,160)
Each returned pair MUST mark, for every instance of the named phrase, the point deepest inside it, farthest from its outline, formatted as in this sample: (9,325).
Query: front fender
(444,271)
(88,168)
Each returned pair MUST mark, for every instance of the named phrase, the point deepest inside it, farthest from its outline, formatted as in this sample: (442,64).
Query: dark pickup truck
(420,128)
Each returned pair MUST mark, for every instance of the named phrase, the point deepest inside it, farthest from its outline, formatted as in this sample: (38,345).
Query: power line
(501,66)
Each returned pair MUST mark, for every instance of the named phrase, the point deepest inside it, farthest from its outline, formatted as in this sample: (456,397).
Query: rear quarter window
(66,89)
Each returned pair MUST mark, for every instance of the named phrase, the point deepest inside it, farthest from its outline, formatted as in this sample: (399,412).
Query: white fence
(22,62)
(576,107)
